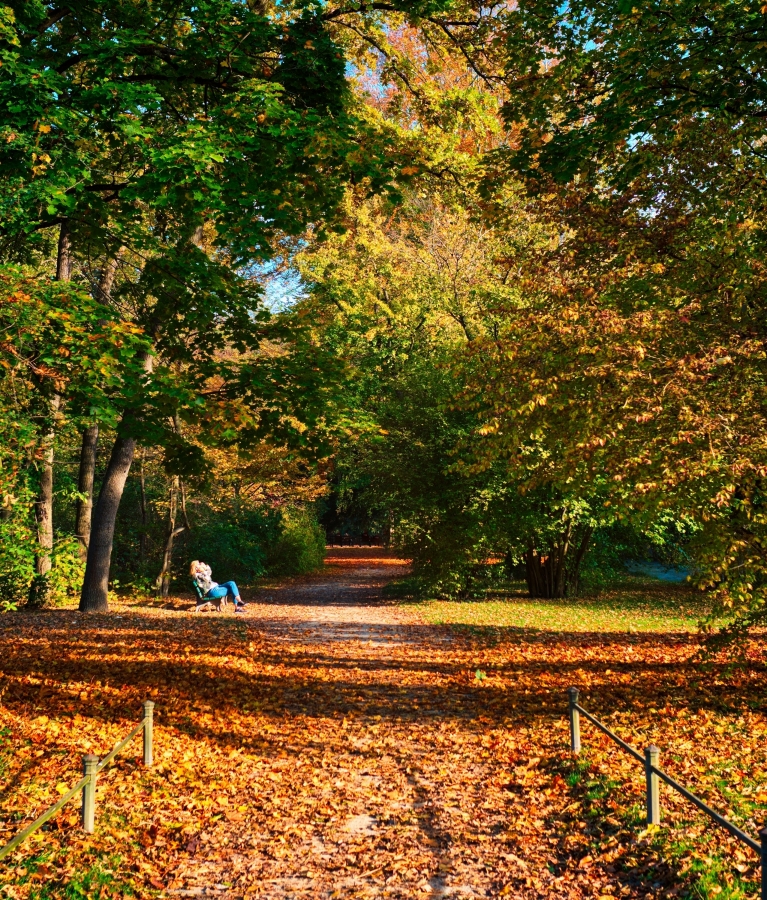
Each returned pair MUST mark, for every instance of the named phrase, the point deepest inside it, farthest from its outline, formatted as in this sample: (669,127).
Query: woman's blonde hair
(193,568)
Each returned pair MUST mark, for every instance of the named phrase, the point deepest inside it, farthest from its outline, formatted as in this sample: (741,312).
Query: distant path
(345,602)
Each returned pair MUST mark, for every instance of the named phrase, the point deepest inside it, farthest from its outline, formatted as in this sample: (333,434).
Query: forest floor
(332,743)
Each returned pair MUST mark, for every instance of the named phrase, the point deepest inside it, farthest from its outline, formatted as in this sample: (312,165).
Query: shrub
(300,546)
(17,561)
(67,572)
(236,549)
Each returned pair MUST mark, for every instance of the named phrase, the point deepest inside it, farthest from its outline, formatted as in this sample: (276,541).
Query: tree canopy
(524,248)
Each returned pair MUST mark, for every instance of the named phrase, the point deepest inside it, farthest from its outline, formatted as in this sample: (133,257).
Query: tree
(403,296)
(138,125)
(62,355)
(638,134)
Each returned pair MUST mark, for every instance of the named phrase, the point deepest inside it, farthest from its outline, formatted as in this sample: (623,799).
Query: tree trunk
(144,517)
(389,529)
(107,280)
(91,434)
(39,589)
(64,257)
(171,532)
(556,574)
(580,553)
(85,486)
(176,490)
(183,504)
(95,591)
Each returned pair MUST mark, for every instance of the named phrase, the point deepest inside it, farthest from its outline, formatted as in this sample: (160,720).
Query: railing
(653,773)
(87,784)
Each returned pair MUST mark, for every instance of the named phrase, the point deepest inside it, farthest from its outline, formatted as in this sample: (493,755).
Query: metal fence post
(575,721)
(651,756)
(763,840)
(148,731)
(90,770)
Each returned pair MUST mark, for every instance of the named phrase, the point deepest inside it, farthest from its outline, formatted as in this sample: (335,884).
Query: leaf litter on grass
(289,765)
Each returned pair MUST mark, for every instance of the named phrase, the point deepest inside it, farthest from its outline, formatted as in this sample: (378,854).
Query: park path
(392,769)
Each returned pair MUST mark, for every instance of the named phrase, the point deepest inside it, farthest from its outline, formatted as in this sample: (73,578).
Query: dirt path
(344,603)
(385,782)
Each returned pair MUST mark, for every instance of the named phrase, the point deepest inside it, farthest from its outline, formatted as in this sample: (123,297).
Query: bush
(67,571)
(300,546)
(236,549)
(17,561)
(256,543)
(17,566)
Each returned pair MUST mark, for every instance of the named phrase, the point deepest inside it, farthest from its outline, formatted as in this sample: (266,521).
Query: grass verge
(633,607)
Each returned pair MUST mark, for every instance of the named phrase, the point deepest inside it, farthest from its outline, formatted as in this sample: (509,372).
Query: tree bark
(556,574)
(107,280)
(580,553)
(95,590)
(85,486)
(91,436)
(144,518)
(64,257)
(183,505)
(171,532)
(39,589)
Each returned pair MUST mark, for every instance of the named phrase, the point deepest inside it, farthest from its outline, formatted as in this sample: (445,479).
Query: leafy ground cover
(637,606)
(332,744)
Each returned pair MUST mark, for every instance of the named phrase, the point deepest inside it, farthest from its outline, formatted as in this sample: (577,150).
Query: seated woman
(212,590)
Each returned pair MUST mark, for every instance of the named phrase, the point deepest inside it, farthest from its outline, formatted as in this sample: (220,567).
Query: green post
(651,757)
(575,721)
(148,731)
(90,770)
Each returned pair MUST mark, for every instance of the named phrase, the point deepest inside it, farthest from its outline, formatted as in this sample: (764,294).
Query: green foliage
(248,545)
(17,565)
(17,538)
(624,82)
(641,355)
(560,353)
(234,546)
(16,560)
(55,338)
(67,571)
(208,129)
(300,545)
(666,540)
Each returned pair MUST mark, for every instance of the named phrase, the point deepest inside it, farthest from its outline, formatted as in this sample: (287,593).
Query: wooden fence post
(90,770)
(575,721)
(148,731)
(651,757)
